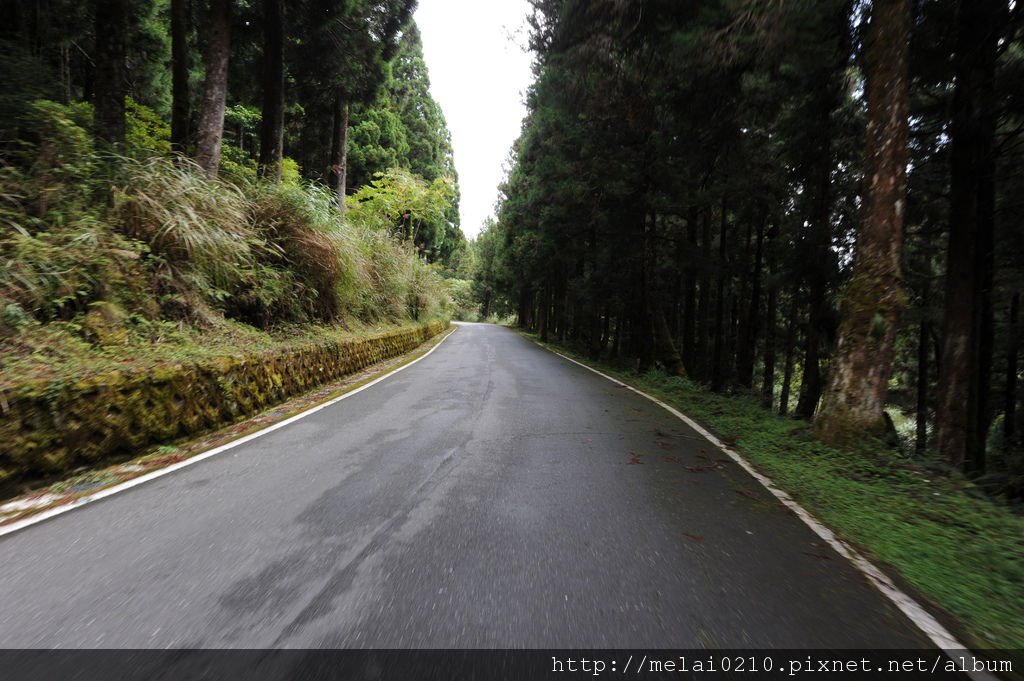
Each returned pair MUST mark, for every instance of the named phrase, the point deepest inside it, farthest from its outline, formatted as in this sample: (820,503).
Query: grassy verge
(55,352)
(961,552)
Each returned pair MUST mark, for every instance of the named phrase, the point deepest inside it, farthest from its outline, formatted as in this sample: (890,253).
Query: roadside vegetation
(184,185)
(183,180)
(138,257)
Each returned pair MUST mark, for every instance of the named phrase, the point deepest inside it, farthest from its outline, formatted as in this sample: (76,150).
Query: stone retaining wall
(53,427)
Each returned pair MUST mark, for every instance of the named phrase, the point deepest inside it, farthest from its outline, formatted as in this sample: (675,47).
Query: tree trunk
(690,296)
(544,314)
(924,332)
(704,304)
(565,311)
(272,124)
(606,328)
(751,324)
(668,355)
(111,16)
(620,332)
(826,92)
(595,340)
(339,150)
(958,422)
(181,106)
(675,307)
(983,303)
(1010,398)
(811,385)
(717,369)
(644,318)
(210,134)
(768,378)
(787,372)
(874,299)
(65,72)
(525,309)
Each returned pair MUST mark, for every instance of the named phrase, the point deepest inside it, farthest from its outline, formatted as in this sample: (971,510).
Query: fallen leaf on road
(819,556)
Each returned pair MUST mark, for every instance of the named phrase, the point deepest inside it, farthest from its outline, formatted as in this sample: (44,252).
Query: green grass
(958,549)
(57,351)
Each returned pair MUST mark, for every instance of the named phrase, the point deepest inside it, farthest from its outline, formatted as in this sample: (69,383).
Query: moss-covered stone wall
(52,427)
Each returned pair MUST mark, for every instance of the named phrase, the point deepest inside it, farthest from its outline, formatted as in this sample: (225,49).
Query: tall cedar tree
(364,36)
(215,87)
(272,123)
(962,418)
(339,147)
(874,298)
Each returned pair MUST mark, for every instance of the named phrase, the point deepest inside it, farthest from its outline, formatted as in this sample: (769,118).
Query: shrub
(85,236)
(464,307)
(291,173)
(55,160)
(145,132)
(301,227)
(199,227)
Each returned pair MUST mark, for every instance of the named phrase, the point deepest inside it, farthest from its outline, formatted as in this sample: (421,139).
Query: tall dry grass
(158,238)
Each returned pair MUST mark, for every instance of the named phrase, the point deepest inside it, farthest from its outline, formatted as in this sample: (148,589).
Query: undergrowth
(114,255)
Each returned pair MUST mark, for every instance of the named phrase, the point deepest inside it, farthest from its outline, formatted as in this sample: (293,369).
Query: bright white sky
(479,72)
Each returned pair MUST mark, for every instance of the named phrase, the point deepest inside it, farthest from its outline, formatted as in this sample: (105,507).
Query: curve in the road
(492,495)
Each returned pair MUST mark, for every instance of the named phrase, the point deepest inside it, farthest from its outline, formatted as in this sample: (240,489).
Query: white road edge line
(924,621)
(142,479)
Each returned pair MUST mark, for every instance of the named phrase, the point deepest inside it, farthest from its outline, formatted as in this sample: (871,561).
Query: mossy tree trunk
(215,87)
(874,299)
(339,148)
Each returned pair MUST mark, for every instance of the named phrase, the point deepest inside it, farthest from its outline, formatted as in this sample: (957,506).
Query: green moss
(55,425)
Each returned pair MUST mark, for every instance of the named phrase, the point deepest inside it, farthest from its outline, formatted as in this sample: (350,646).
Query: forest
(178,167)
(793,226)
(816,204)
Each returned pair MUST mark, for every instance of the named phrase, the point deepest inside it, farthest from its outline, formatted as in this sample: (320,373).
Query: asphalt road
(484,497)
